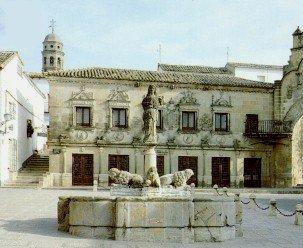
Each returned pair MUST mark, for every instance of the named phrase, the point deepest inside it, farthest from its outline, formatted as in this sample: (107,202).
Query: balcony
(271,129)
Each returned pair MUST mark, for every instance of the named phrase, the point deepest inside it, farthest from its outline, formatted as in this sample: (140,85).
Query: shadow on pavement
(38,226)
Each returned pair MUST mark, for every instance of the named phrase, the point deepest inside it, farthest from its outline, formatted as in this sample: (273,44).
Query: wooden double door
(252,172)
(83,169)
(160,165)
(121,162)
(189,162)
(221,171)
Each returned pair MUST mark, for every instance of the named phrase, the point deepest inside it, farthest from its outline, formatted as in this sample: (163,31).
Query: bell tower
(52,53)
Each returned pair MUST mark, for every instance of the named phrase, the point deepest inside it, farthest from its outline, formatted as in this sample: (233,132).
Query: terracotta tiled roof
(154,76)
(5,57)
(256,66)
(193,69)
(36,74)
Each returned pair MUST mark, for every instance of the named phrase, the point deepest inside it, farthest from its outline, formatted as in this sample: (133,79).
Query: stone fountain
(150,208)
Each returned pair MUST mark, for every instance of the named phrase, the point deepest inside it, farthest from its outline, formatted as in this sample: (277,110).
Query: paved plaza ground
(28,218)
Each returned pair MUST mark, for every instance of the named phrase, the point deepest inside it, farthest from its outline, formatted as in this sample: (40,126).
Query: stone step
(20,185)
(31,172)
(37,164)
(29,177)
(36,167)
(37,161)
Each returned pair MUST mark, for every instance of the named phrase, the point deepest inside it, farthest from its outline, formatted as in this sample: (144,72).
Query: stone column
(272,208)
(101,168)
(150,158)
(240,172)
(103,177)
(299,215)
(64,169)
(208,171)
(239,216)
(233,171)
(252,199)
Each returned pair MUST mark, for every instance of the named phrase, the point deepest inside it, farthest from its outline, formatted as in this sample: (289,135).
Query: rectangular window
(261,78)
(119,118)
(83,116)
(159,120)
(188,121)
(221,122)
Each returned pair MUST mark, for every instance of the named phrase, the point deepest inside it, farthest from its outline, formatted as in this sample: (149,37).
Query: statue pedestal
(150,158)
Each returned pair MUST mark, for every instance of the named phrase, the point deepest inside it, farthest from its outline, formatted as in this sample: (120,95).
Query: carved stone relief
(289,92)
(188,139)
(81,135)
(221,100)
(118,95)
(82,98)
(205,140)
(205,122)
(188,98)
(118,136)
(136,126)
(171,116)
(117,98)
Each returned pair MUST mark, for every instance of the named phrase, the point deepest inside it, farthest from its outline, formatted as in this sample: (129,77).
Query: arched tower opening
(52,53)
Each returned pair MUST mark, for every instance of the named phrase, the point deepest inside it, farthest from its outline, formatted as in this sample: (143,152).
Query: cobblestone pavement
(28,219)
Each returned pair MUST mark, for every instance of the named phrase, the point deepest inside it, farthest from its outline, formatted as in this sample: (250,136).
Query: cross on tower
(52,26)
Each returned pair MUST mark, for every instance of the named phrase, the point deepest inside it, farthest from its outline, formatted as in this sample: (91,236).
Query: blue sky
(126,33)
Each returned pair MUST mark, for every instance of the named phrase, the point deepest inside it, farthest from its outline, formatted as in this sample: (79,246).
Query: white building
(257,72)
(22,128)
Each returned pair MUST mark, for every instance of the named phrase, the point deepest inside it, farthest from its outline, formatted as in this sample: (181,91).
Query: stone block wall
(165,219)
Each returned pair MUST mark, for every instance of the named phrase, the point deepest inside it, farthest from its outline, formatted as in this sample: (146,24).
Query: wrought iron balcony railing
(267,127)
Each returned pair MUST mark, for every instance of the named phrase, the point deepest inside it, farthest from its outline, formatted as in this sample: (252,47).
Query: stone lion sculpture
(177,179)
(125,178)
(152,178)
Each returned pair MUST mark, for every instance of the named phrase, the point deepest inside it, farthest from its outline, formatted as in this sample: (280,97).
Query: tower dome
(52,53)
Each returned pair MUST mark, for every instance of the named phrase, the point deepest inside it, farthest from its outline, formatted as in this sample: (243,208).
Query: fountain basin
(204,217)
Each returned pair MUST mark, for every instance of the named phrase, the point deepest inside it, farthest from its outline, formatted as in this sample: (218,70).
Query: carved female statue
(150,106)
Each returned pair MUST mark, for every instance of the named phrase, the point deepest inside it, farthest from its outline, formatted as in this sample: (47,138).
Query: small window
(45,47)
(159,120)
(83,116)
(188,121)
(12,108)
(51,46)
(221,122)
(58,47)
(51,60)
(44,59)
(261,78)
(59,61)
(119,118)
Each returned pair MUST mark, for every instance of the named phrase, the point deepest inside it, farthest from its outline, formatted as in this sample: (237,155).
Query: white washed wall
(252,73)
(29,104)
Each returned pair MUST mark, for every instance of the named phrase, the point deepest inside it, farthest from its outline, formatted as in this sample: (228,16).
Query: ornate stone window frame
(161,129)
(221,111)
(117,99)
(221,105)
(188,103)
(82,99)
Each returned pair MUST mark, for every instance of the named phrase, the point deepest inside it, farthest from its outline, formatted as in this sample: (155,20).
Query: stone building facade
(231,131)
(96,124)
